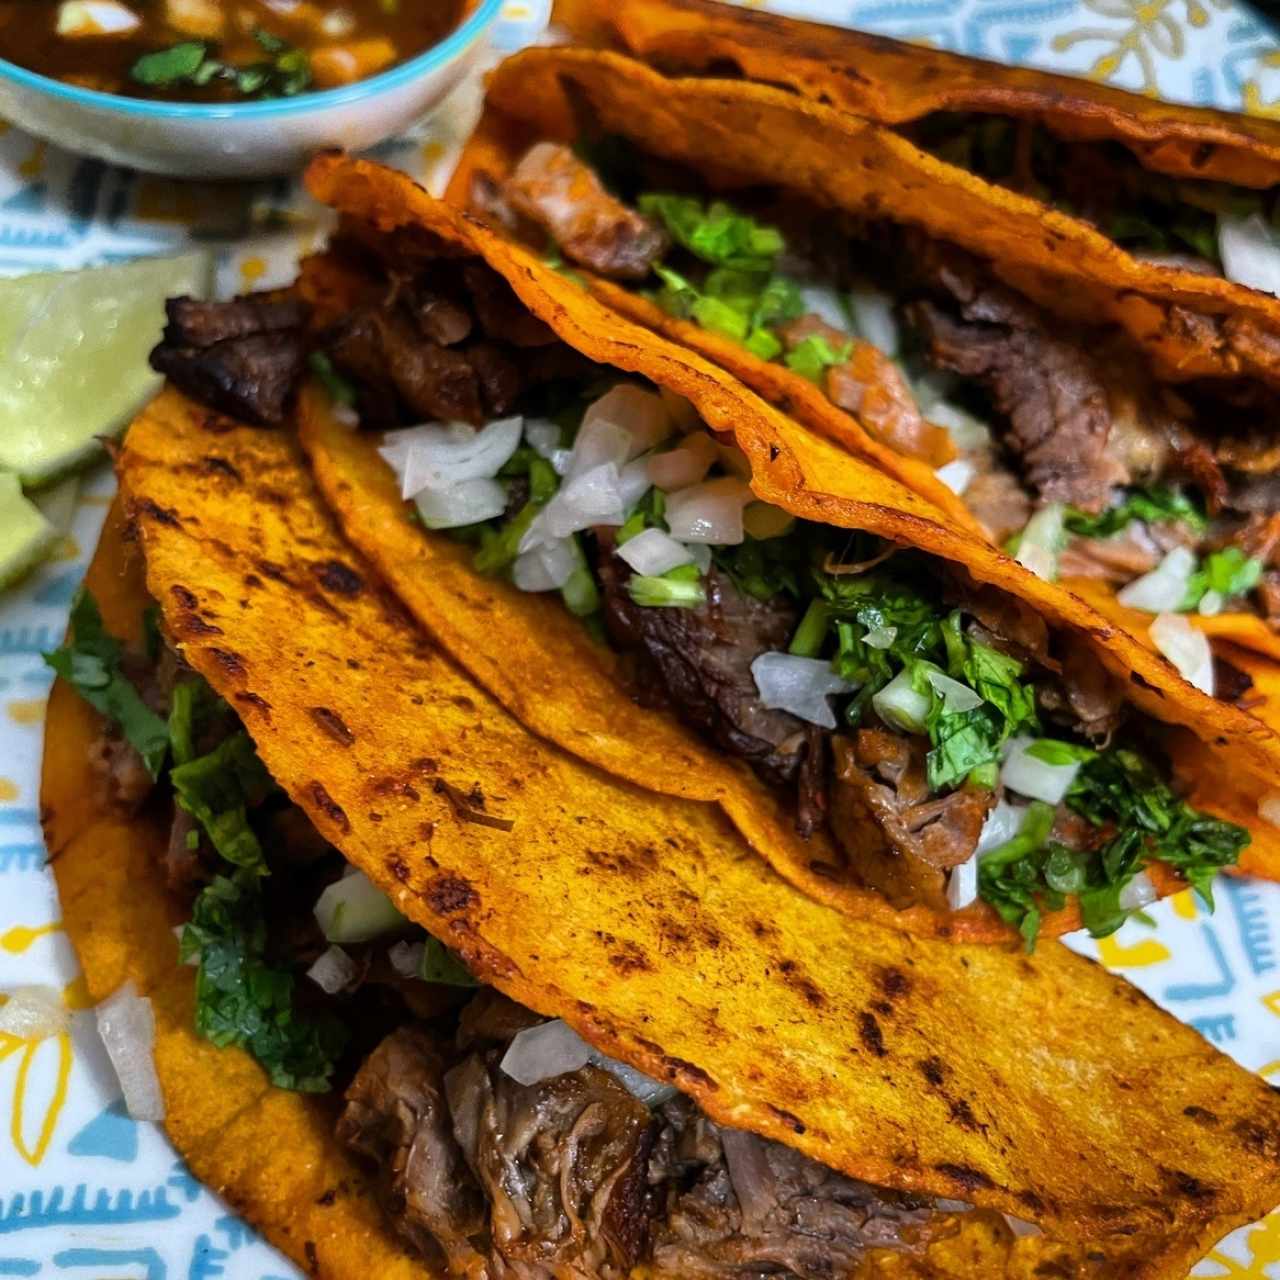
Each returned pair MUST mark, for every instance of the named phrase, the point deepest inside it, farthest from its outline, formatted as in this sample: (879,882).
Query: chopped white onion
(1002,824)
(641,414)
(763,520)
(634,482)
(701,554)
(874,319)
(542,436)
(553,1049)
(338,24)
(1269,808)
(683,415)
(406,958)
(900,706)
(463,504)
(1036,779)
(802,686)
(441,456)
(546,567)
(1042,542)
(1250,251)
(1020,1227)
(733,460)
(333,970)
(95,18)
(824,302)
(957,474)
(880,637)
(962,884)
(710,512)
(686,465)
(955,696)
(345,415)
(644,1089)
(1186,647)
(542,1052)
(34,1013)
(127,1025)
(598,443)
(354,909)
(591,497)
(1139,892)
(1211,604)
(654,552)
(1165,587)
(967,432)
(561,460)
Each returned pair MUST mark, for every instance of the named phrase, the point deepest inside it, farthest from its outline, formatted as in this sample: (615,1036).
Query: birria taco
(447,1001)
(1104,419)
(653,569)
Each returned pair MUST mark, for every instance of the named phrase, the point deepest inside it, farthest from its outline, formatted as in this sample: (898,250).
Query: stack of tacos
(613,827)
(1099,410)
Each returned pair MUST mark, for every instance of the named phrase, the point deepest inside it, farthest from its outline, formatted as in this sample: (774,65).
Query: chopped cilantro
(678,588)
(716,232)
(1149,505)
(191,705)
(1229,573)
(1051,751)
(242,1000)
(90,662)
(814,356)
(339,388)
(1138,818)
(166,68)
(217,790)
(285,72)
(440,964)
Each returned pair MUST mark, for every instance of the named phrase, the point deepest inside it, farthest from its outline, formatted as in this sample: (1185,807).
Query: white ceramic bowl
(242,139)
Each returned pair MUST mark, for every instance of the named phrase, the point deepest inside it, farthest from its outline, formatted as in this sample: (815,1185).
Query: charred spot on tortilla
(329,807)
(339,578)
(332,724)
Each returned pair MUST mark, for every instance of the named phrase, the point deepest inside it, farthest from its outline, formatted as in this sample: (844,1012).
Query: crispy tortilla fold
(543,666)
(894,82)
(968,1072)
(616,90)
(1192,326)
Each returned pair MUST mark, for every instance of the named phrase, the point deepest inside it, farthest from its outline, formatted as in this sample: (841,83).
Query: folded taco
(1093,414)
(651,568)
(446,1001)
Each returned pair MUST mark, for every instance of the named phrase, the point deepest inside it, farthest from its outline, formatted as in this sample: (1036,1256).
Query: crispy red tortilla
(894,82)
(616,90)
(542,665)
(970,1072)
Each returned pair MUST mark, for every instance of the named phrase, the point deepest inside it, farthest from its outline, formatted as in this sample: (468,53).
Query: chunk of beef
(397,1117)
(1005,622)
(1118,559)
(497,377)
(244,357)
(502,315)
(1047,388)
(702,659)
(872,388)
(897,838)
(122,777)
(563,1166)
(996,497)
(1085,697)
(1269,597)
(383,351)
(553,188)
(440,318)
(185,870)
(739,1205)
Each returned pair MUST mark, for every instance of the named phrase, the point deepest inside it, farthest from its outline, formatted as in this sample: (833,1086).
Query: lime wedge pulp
(73,357)
(26,537)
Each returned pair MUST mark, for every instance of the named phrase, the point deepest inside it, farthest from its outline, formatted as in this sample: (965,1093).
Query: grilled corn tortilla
(527,649)
(1090,456)
(1141,1151)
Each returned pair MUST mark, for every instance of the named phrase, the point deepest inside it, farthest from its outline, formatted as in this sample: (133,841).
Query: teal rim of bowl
(431,59)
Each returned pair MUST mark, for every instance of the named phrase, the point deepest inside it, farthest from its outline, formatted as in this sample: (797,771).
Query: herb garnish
(283,73)
(90,662)
(1151,505)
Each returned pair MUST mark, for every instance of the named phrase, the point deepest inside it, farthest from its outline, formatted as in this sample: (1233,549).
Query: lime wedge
(57,503)
(73,357)
(26,537)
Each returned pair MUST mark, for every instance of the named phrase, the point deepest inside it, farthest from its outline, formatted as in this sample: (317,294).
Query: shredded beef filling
(244,357)
(573,1177)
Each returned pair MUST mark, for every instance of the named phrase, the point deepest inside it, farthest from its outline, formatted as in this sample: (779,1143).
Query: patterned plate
(86,1191)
